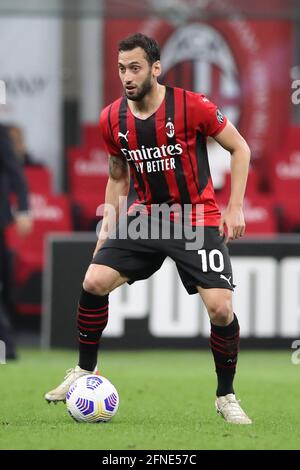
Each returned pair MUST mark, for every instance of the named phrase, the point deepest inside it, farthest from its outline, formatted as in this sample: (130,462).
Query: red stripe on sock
(92,316)
(93,309)
(87,342)
(222,345)
(229,338)
(216,342)
(92,322)
(219,350)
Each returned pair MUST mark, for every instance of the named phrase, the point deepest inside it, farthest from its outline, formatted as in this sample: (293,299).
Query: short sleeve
(107,135)
(210,119)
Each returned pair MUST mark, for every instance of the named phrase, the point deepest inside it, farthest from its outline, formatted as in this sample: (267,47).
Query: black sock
(224,342)
(92,317)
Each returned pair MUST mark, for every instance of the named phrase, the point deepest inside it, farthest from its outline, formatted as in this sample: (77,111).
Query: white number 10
(213,255)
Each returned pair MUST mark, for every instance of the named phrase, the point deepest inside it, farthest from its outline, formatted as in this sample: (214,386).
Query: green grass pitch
(166,402)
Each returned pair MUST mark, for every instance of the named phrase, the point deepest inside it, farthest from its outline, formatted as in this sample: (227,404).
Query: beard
(142,92)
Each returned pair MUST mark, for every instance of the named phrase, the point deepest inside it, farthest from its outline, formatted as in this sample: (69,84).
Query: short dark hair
(149,45)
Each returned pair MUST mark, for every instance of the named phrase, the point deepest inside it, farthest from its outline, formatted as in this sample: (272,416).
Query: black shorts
(207,265)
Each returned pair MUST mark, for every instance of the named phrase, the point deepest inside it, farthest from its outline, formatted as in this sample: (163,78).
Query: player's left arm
(233,216)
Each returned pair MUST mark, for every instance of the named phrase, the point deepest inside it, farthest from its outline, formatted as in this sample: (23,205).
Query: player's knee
(96,285)
(221,313)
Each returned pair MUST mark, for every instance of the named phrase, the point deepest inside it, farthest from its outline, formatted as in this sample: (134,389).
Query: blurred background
(58,68)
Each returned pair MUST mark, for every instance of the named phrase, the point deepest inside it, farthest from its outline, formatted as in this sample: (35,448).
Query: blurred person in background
(16,136)
(11,181)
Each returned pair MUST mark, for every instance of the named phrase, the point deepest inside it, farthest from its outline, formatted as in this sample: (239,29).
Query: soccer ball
(92,399)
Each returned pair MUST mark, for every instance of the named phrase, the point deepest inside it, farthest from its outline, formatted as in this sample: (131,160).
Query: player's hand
(232,222)
(24,224)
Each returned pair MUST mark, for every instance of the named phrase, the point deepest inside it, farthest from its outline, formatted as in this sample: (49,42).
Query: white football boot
(59,393)
(229,407)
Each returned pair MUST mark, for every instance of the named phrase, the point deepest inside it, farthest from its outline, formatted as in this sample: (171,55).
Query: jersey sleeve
(209,118)
(106,132)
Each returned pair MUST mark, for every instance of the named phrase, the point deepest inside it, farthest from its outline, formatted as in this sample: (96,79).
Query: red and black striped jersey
(167,152)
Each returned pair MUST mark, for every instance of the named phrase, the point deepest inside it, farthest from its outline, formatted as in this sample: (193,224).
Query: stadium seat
(259,212)
(91,136)
(50,214)
(86,169)
(260,215)
(292,141)
(88,175)
(252,187)
(39,179)
(286,184)
(85,207)
(287,201)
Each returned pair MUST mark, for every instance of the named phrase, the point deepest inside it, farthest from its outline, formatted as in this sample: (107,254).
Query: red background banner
(244,65)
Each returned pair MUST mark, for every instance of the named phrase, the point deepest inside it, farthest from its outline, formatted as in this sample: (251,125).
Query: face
(136,74)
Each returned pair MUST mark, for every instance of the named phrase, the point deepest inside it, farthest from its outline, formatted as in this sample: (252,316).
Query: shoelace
(235,408)
(68,373)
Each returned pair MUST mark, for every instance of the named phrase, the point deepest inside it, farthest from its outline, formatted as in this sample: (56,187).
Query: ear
(156,68)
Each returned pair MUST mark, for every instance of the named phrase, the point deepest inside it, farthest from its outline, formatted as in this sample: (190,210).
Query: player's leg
(92,318)
(92,314)
(224,342)
(118,261)
(224,339)
(207,269)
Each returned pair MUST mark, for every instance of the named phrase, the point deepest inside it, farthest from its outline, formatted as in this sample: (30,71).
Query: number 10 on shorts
(214,260)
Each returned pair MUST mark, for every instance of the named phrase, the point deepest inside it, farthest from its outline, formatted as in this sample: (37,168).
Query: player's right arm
(118,185)
(118,181)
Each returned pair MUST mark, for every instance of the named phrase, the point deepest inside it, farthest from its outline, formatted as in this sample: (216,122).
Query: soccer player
(159,134)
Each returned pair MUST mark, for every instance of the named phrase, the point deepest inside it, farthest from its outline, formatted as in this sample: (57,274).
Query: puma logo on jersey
(224,277)
(124,136)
